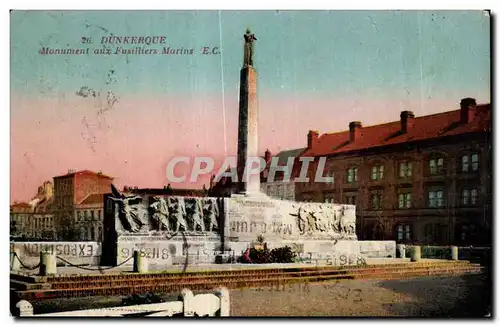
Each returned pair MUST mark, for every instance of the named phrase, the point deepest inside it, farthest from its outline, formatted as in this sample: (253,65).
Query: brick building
(77,208)
(420,180)
(280,188)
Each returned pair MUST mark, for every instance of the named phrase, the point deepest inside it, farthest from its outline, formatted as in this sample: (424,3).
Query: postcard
(221,163)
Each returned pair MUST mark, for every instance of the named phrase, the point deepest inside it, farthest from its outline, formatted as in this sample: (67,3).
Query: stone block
(454,252)
(140,263)
(415,253)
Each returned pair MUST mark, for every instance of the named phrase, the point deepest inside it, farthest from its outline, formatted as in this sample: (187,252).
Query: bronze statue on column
(248,55)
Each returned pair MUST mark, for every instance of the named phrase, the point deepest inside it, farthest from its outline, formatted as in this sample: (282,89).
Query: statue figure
(132,215)
(320,221)
(347,225)
(177,210)
(211,210)
(197,215)
(160,215)
(248,52)
(305,218)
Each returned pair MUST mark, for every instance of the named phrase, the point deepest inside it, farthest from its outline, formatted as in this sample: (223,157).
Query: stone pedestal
(454,253)
(47,263)
(415,253)
(140,263)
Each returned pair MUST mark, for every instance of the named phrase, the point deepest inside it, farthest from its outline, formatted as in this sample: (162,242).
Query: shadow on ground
(468,296)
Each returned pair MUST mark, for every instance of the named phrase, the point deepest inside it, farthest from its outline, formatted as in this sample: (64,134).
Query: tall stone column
(248,138)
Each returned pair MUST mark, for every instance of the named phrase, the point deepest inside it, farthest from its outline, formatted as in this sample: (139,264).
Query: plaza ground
(455,296)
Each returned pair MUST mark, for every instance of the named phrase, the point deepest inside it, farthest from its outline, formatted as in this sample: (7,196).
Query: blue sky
(375,53)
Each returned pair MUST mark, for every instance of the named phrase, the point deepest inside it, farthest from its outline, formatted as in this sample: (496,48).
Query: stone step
(207,284)
(21,285)
(236,273)
(141,278)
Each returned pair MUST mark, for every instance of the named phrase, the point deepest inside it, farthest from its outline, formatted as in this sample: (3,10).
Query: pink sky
(134,140)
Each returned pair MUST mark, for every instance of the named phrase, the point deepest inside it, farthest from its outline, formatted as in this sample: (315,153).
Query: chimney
(467,109)
(354,131)
(267,155)
(407,121)
(312,138)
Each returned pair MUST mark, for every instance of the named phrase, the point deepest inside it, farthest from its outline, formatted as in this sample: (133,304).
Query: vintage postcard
(223,163)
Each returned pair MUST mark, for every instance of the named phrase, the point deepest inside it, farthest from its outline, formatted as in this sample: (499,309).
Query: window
(85,214)
(404,200)
(330,174)
(405,169)
(475,162)
(92,215)
(377,172)
(350,199)
(473,159)
(376,199)
(404,232)
(352,175)
(469,196)
(436,166)
(436,198)
(99,214)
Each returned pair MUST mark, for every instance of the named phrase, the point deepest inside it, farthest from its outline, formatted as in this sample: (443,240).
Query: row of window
(89,215)
(435,199)
(34,220)
(63,185)
(405,169)
(90,234)
(433,232)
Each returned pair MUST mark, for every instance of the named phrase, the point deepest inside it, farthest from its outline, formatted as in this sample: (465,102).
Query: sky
(317,70)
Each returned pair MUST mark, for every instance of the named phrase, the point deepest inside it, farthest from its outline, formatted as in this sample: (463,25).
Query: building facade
(33,220)
(280,187)
(32,226)
(76,207)
(424,180)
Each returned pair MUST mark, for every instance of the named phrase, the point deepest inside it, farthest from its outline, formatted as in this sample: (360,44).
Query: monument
(175,230)
(248,120)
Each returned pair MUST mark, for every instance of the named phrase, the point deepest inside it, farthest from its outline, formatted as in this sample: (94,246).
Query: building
(21,207)
(32,226)
(280,188)
(33,220)
(424,180)
(88,225)
(44,198)
(76,207)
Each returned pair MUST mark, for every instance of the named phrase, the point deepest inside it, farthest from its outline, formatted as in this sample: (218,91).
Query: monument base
(179,249)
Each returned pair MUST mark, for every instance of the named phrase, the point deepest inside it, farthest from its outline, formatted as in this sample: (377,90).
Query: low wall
(77,253)
(378,249)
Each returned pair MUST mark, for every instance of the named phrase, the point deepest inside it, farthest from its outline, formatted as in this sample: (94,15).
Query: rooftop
(83,172)
(423,128)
